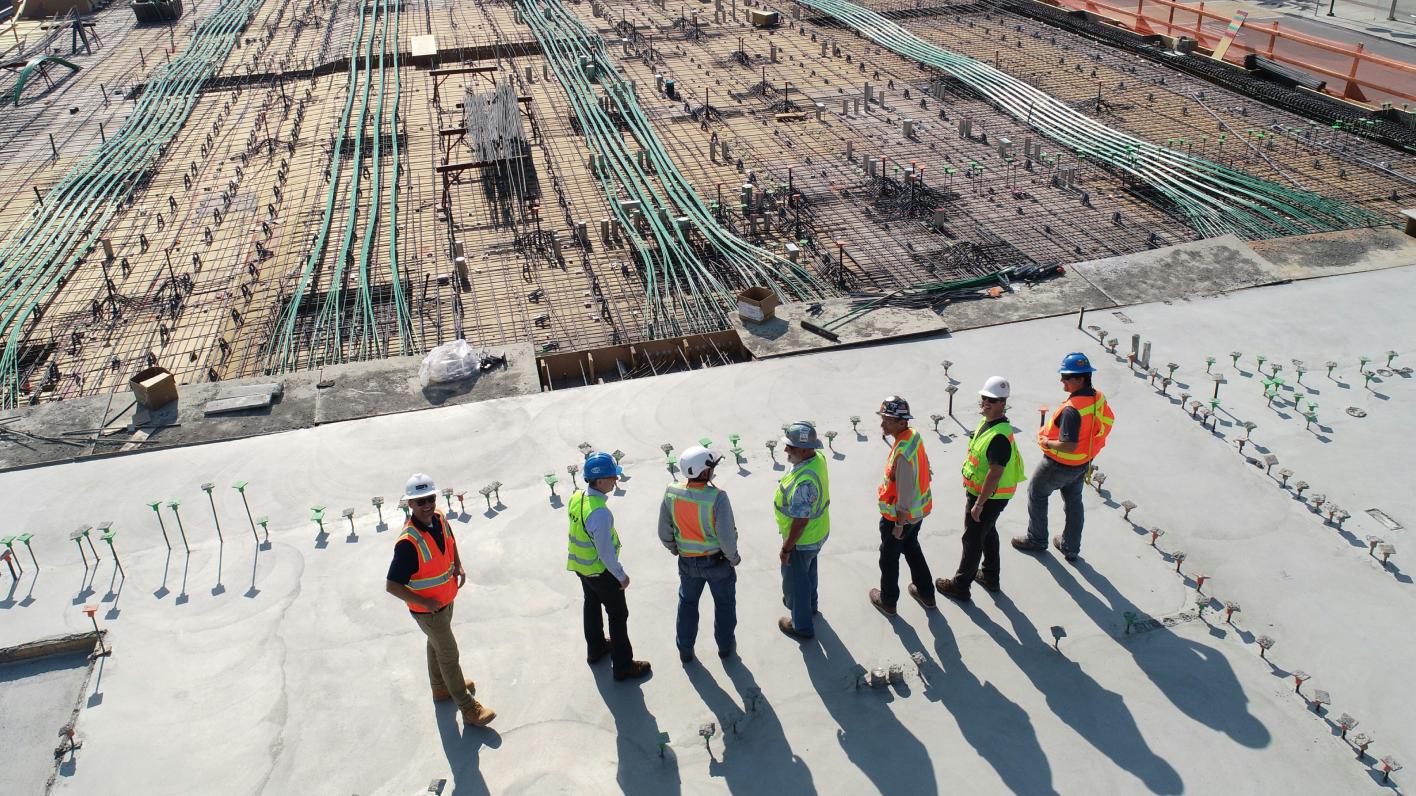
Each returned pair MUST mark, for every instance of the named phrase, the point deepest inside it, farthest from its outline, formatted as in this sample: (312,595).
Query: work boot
(1024,544)
(478,715)
(1057,543)
(785,625)
(442,694)
(634,671)
(599,652)
(948,588)
(686,656)
(919,598)
(888,610)
(989,584)
(725,652)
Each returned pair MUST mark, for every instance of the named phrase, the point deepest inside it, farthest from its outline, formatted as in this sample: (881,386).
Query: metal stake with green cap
(240,486)
(207,488)
(378,505)
(9,542)
(108,534)
(156,507)
(175,504)
(26,537)
(264,522)
(317,516)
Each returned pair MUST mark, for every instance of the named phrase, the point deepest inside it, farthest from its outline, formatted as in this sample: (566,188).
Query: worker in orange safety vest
(1070,441)
(426,573)
(904,500)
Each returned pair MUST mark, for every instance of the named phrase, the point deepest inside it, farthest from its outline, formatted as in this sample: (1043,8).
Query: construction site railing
(1359,75)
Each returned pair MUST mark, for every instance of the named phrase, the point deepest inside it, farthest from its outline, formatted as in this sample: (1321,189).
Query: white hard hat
(697,460)
(419,485)
(995,387)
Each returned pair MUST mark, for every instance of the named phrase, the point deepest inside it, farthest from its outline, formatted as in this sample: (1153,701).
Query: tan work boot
(443,695)
(478,715)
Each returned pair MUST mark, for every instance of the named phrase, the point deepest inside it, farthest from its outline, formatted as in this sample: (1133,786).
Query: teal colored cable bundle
(1212,198)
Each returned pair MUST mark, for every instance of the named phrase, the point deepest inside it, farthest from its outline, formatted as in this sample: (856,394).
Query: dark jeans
(890,550)
(1050,477)
(980,542)
(799,589)
(604,590)
(720,577)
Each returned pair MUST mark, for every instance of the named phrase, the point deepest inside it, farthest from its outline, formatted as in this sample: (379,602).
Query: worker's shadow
(644,766)
(756,756)
(1007,739)
(463,748)
(1195,677)
(872,737)
(1094,713)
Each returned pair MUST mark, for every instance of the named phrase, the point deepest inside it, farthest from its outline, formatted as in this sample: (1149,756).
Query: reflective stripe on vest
(818,525)
(1097,420)
(909,446)
(691,511)
(976,466)
(581,556)
(433,578)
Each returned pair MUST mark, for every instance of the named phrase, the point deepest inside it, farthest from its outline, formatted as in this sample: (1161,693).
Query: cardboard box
(757,304)
(762,19)
(154,387)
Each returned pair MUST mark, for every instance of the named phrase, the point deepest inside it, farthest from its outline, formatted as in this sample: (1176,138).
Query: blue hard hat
(601,465)
(1076,362)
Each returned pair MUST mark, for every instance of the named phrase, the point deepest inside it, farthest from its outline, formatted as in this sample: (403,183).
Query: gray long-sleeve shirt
(599,525)
(723,523)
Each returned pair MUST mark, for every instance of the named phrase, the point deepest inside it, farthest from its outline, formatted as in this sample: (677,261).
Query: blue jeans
(799,589)
(1050,477)
(721,578)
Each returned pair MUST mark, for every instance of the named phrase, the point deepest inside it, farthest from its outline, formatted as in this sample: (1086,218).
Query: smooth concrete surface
(285,670)
(37,697)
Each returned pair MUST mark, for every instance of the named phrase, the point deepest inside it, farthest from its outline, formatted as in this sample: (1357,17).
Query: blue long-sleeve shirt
(599,525)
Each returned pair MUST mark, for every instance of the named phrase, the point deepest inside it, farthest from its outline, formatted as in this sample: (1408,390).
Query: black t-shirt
(1069,425)
(405,554)
(999,449)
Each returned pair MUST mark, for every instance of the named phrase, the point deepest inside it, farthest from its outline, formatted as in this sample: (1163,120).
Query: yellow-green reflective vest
(818,525)
(691,511)
(976,465)
(582,557)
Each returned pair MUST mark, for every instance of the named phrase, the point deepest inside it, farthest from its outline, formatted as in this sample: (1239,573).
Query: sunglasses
(988,400)
(423,501)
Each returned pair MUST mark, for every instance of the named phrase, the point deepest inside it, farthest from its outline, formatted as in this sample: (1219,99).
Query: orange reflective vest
(433,578)
(691,510)
(1097,420)
(908,446)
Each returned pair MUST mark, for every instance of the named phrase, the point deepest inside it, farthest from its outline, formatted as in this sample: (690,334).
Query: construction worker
(801,503)
(594,556)
(696,524)
(426,573)
(1069,441)
(904,500)
(992,472)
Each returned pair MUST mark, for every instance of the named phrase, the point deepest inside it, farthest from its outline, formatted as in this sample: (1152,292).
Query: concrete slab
(784,334)
(243,647)
(1201,268)
(1307,256)
(37,697)
(239,404)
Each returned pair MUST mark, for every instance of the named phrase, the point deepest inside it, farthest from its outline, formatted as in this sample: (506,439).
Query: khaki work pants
(444,670)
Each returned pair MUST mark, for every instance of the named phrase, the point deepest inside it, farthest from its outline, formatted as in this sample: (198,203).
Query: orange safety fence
(1350,71)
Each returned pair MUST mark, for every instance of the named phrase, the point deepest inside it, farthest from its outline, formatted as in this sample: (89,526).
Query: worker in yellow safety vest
(904,500)
(593,555)
(1070,440)
(801,504)
(992,471)
(425,574)
(696,524)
